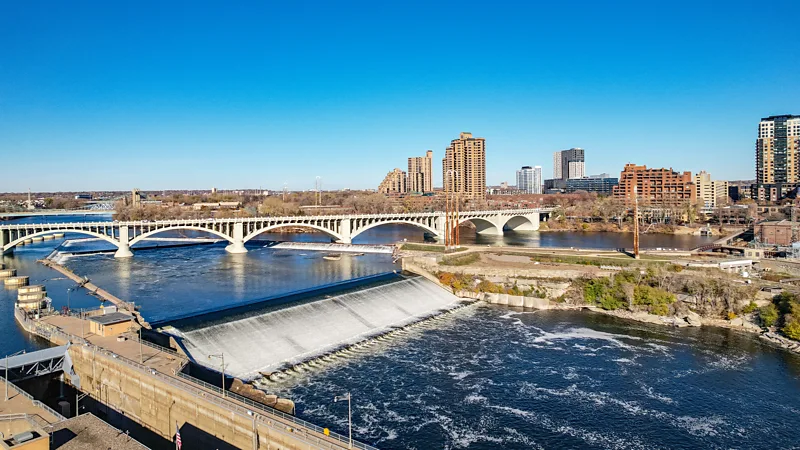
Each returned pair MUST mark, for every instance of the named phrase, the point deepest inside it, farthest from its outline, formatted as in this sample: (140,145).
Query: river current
(480,377)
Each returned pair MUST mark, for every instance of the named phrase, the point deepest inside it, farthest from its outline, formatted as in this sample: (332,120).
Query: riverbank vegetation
(460,260)
(428,248)
(784,313)
(664,290)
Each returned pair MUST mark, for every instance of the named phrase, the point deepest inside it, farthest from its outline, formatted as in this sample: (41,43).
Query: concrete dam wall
(275,339)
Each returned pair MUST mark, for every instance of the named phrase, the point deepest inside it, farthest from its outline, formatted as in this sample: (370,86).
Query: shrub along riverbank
(658,290)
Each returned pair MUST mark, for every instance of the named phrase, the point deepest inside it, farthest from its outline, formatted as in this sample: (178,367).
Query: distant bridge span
(341,228)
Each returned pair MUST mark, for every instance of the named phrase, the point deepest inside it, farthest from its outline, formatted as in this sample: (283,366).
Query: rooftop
(108,319)
(87,431)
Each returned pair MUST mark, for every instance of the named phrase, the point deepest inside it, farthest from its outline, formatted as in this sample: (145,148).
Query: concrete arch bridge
(341,228)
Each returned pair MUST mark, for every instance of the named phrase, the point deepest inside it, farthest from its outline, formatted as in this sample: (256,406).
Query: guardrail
(203,390)
(37,403)
(272,411)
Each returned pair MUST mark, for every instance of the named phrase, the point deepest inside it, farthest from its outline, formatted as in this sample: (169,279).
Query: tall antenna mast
(318,189)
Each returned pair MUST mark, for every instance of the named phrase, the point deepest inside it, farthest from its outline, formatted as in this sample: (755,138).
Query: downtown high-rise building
(777,157)
(569,164)
(394,183)
(464,167)
(529,180)
(420,173)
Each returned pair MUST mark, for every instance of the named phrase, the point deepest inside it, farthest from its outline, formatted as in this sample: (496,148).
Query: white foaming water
(333,247)
(585,333)
(288,336)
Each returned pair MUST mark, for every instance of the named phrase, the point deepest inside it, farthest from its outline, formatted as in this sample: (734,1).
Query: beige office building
(420,173)
(394,183)
(464,167)
(712,193)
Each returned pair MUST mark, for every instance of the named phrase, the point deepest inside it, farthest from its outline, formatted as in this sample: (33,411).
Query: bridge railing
(77,225)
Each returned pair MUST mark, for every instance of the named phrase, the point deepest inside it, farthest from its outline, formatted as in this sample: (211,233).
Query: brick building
(655,186)
(775,233)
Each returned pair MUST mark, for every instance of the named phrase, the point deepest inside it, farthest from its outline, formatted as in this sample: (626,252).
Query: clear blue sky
(163,95)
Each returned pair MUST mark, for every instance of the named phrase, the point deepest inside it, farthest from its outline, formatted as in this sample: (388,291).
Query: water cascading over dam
(272,340)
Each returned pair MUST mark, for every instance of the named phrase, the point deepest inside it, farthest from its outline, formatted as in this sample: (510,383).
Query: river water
(480,377)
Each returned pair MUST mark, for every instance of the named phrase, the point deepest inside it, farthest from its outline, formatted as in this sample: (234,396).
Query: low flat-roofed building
(112,324)
(23,434)
(774,233)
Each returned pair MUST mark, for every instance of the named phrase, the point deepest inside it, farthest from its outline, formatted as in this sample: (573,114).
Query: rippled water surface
(488,377)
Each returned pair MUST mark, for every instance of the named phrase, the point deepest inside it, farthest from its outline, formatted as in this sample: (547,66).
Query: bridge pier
(124,247)
(237,245)
(5,238)
(345,232)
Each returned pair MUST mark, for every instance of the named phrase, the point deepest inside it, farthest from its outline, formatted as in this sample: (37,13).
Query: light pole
(141,354)
(7,356)
(342,398)
(222,357)
(68,291)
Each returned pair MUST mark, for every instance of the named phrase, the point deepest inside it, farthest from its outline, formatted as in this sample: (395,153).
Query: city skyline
(166,97)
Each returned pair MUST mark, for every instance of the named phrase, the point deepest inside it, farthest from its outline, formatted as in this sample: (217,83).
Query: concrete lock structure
(341,228)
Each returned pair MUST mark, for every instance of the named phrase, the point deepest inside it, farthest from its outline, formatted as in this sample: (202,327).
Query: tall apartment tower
(778,150)
(525,179)
(568,164)
(420,173)
(464,167)
(529,179)
(538,182)
(394,183)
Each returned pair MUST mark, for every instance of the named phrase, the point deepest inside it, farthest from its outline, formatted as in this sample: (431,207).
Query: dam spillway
(295,333)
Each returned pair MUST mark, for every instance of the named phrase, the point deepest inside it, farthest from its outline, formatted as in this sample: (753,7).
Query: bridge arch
(483,226)
(393,222)
(330,233)
(104,237)
(144,236)
(520,223)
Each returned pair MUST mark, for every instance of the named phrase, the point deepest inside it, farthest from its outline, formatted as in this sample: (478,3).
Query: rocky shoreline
(692,319)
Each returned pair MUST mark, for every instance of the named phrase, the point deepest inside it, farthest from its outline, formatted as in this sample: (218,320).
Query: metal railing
(203,390)
(74,226)
(167,350)
(264,409)
(37,403)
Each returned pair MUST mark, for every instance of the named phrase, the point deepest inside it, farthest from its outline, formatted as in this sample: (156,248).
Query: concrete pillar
(440,227)
(534,218)
(237,246)
(345,232)
(5,239)
(124,250)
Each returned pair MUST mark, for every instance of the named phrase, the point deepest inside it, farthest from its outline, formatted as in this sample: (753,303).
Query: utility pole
(318,189)
(635,223)
(447,212)
(347,397)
